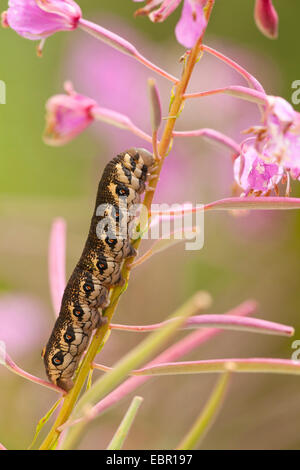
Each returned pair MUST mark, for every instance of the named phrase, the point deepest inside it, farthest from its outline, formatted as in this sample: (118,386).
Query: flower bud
(266,18)
(67,116)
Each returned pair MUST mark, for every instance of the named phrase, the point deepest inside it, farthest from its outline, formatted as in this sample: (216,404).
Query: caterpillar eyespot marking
(111,241)
(58,359)
(78,312)
(69,335)
(101,264)
(88,287)
(99,267)
(122,190)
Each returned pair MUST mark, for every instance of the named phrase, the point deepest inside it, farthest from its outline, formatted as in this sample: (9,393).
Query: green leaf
(43,421)
(89,380)
(264,365)
(122,432)
(207,415)
(108,333)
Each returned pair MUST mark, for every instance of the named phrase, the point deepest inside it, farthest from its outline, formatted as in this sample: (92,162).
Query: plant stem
(122,45)
(213,135)
(250,79)
(98,339)
(238,91)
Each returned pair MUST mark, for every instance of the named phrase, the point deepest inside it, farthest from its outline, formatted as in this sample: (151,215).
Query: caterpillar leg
(100,321)
(120,281)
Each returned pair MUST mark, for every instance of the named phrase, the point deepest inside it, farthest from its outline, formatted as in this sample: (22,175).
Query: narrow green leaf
(207,415)
(256,365)
(43,421)
(89,380)
(122,432)
(108,333)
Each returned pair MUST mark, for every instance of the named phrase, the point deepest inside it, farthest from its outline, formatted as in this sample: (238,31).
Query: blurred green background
(244,257)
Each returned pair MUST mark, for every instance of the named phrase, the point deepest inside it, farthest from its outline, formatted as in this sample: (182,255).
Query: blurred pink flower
(23,322)
(282,123)
(38,19)
(279,115)
(67,116)
(191,24)
(279,136)
(253,173)
(266,18)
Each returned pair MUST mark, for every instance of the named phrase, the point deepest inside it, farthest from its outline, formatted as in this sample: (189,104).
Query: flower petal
(191,24)
(29,20)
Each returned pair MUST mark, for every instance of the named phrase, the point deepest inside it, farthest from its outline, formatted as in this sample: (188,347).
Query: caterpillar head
(59,364)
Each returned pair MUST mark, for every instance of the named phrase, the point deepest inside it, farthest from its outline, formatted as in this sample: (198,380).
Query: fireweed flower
(281,134)
(279,115)
(67,116)
(256,173)
(266,18)
(38,19)
(192,21)
(274,152)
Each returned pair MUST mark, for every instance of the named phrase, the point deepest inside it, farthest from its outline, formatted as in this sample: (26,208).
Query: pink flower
(67,116)
(283,134)
(38,19)
(256,173)
(279,136)
(266,18)
(279,115)
(191,24)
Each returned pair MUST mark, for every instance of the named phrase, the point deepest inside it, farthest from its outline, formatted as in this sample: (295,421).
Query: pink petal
(164,11)
(32,22)
(256,173)
(67,116)
(191,24)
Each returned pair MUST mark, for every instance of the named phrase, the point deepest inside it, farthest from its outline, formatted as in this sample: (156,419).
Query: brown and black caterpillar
(99,268)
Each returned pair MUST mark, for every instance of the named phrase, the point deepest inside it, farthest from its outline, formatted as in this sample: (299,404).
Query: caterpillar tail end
(147,156)
(65,384)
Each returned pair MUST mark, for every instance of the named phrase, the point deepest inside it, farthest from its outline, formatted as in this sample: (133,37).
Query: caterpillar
(99,267)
